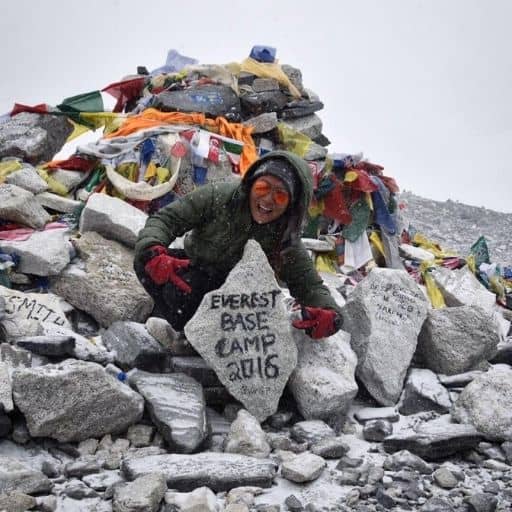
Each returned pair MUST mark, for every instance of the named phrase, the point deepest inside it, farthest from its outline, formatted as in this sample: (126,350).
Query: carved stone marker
(384,315)
(243,332)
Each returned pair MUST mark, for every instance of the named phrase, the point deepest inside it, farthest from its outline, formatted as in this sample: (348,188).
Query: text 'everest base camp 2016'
(105,406)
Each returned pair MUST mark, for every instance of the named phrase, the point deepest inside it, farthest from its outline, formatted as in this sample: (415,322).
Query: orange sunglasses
(262,187)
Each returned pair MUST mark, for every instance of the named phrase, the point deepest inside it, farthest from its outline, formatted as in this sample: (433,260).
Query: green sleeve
(175,219)
(304,283)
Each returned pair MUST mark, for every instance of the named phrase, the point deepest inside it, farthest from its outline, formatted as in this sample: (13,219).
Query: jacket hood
(297,212)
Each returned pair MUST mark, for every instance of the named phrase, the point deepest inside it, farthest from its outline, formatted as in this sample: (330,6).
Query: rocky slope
(457,226)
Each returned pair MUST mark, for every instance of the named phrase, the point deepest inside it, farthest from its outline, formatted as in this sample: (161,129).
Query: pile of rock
(104,408)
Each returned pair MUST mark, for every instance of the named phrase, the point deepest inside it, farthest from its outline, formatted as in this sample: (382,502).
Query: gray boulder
(310,125)
(112,218)
(35,138)
(21,206)
(455,340)
(104,284)
(134,347)
(384,315)
(51,261)
(16,476)
(247,437)
(74,400)
(424,392)
(304,467)
(486,403)
(177,407)
(460,287)
(243,332)
(143,494)
(323,383)
(28,179)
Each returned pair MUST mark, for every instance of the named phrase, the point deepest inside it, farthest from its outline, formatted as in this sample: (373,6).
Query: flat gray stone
(457,339)
(263,123)
(176,406)
(376,413)
(433,442)
(74,400)
(58,203)
(20,206)
(304,467)
(104,285)
(248,340)
(35,307)
(112,218)
(384,315)
(218,471)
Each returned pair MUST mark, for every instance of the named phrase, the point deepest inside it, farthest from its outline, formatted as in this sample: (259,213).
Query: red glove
(318,322)
(162,268)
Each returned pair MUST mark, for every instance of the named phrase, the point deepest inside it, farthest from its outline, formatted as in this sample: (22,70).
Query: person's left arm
(321,315)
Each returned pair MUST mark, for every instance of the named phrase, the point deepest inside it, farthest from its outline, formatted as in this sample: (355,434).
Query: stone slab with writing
(243,332)
(384,315)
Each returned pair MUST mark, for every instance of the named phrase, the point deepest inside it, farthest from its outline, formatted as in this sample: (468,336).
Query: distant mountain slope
(457,226)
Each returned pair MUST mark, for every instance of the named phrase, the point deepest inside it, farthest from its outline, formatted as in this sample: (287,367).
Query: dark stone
(482,502)
(196,368)
(384,498)
(53,346)
(136,348)
(300,108)
(322,140)
(280,419)
(293,503)
(211,100)
(217,395)
(5,423)
(349,462)
(377,430)
(435,442)
(258,102)
(503,355)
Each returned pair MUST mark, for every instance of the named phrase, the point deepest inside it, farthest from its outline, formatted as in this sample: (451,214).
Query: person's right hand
(162,268)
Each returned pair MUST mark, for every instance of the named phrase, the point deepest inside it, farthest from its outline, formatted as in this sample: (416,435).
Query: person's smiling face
(268,199)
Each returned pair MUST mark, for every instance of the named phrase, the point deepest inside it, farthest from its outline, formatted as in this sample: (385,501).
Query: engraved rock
(243,332)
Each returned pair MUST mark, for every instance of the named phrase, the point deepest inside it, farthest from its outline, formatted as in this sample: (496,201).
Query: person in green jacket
(269,205)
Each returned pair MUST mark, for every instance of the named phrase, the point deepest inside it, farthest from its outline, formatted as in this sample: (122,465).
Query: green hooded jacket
(218,223)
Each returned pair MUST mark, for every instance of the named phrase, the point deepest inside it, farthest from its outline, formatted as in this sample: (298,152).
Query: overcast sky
(422,87)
